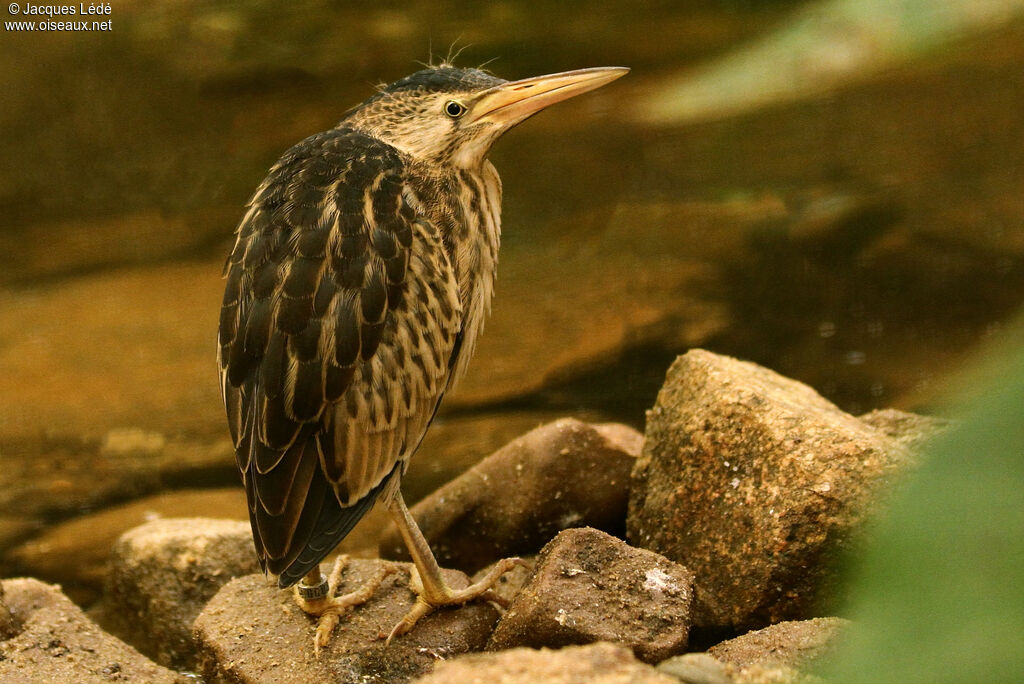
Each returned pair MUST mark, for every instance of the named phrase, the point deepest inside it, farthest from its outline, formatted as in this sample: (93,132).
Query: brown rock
(910,429)
(253,632)
(599,663)
(10,625)
(152,376)
(754,482)
(560,313)
(56,642)
(561,475)
(696,668)
(774,674)
(454,444)
(790,644)
(54,475)
(164,572)
(589,586)
(88,539)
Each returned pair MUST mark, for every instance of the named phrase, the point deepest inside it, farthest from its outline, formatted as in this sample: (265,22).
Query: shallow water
(864,240)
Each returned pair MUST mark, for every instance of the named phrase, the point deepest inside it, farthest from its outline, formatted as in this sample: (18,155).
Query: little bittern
(358,284)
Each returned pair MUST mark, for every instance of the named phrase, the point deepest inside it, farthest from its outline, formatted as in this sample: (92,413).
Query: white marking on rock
(659,583)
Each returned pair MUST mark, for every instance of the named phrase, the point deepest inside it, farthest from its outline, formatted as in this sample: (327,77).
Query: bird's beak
(508,104)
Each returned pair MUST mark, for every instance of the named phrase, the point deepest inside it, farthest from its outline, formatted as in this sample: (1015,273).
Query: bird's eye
(454,109)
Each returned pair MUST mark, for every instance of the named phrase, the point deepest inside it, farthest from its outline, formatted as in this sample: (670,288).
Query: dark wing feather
(332,524)
(328,381)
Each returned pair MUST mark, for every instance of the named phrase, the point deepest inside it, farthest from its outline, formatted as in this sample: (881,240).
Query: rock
(58,243)
(251,632)
(145,459)
(702,668)
(774,674)
(56,642)
(561,312)
(910,429)
(755,483)
(10,625)
(696,668)
(164,572)
(454,444)
(589,586)
(151,373)
(122,441)
(561,475)
(88,539)
(599,663)
(791,644)
(50,478)
(582,314)
(53,476)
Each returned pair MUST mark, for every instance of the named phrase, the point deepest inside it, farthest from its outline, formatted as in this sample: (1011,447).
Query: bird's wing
(340,315)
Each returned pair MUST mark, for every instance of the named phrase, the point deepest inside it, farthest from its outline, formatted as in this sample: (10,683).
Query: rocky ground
(701,551)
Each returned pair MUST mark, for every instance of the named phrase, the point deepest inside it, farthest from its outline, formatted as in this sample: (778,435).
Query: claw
(419,609)
(324,628)
(438,595)
(329,609)
(427,581)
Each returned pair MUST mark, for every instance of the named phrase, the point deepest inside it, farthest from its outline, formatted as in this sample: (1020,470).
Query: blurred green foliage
(939,596)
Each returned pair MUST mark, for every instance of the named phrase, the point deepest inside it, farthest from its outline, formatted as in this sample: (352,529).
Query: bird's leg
(427,582)
(318,600)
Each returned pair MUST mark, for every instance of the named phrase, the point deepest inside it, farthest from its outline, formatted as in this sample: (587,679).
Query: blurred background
(833,189)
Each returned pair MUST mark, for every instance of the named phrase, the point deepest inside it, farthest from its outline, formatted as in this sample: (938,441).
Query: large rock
(53,641)
(589,586)
(910,429)
(794,644)
(599,663)
(89,538)
(755,483)
(253,632)
(561,475)
(164,572)
(51,474)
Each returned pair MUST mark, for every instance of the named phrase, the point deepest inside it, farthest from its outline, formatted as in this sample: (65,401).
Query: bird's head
(453,116)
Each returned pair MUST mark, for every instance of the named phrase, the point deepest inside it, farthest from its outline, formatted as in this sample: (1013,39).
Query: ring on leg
(313,592)
(328,608)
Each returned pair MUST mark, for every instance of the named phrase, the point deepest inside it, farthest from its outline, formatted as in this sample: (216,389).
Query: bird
(355,293)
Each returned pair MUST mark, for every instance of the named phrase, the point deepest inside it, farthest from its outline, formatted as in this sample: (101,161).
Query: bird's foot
(429,598)
(320,602)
